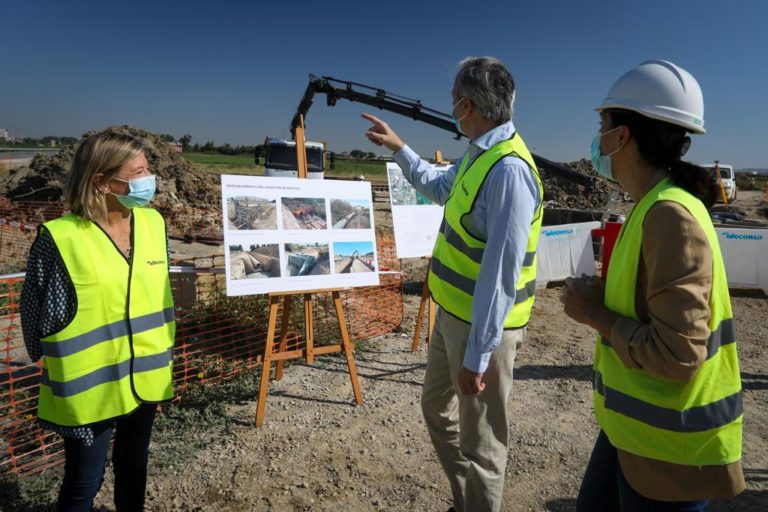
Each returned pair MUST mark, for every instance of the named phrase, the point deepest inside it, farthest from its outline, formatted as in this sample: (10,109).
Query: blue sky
(235,71)
(348,248)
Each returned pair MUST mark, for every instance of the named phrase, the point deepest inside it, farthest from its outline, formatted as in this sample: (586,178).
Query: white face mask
(457,122)
(601,162)
(140,191)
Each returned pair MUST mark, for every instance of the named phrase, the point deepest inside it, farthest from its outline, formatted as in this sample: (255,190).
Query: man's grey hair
(490,86)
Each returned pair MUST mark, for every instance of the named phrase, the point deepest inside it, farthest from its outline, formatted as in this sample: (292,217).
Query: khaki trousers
(469,432)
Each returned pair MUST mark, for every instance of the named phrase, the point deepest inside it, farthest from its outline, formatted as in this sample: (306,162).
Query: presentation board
(290,234)
(415,219)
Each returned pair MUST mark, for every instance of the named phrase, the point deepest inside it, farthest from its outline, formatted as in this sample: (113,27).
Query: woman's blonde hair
(105,153)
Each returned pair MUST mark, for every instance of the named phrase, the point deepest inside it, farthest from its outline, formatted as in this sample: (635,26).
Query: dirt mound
(561,193)
(177,183)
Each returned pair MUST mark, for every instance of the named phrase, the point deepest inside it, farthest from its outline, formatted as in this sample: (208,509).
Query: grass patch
(215,163)
(373,170)
(216,159)
(220,169)
(244,164)
(32,493)
(751,182)
(199,421)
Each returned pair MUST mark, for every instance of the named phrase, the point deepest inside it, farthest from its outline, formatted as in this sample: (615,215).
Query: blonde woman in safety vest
(667,390)
(97,307)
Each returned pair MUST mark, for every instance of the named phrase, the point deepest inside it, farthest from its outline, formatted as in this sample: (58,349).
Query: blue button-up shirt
(502,215)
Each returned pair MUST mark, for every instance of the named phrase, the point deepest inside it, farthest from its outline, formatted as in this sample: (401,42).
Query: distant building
(176,146)
(4,134)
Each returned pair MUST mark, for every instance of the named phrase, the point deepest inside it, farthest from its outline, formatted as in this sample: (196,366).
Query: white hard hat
(660,90)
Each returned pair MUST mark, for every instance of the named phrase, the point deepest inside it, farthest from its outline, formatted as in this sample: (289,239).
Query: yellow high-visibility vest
(117,351)
(457,255)
(694,423)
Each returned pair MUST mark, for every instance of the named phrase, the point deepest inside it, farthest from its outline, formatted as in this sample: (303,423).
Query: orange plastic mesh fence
(217,336)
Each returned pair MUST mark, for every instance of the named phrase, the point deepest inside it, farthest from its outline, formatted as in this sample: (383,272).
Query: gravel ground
(317,451)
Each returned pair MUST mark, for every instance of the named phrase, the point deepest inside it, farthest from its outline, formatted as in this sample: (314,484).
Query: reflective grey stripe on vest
(467,285)
(106,374)
(695,419)
(528,259)
(723,335)
(473,253)
(452,277)
(526,292)
(454,239)
(107,332)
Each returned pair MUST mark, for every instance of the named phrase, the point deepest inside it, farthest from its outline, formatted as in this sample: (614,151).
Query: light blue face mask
(602,163)
(457,121)
(140,191)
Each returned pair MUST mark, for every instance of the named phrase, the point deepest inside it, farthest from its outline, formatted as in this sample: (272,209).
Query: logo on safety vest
(155,262)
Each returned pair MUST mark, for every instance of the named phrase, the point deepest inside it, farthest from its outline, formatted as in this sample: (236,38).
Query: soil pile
(177,183)
(561,193)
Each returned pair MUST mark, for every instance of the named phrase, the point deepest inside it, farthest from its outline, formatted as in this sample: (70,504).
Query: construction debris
(177,183)
(562,193)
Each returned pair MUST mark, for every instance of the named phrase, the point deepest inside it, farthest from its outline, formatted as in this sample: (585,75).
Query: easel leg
(309,328)
(347,345)
(264,384)
(283,335)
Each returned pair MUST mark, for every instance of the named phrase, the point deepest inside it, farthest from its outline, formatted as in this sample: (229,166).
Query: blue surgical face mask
(140,191)
(457,121)
(602,163)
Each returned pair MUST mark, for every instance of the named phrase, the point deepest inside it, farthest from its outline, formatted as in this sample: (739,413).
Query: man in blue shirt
(469,367)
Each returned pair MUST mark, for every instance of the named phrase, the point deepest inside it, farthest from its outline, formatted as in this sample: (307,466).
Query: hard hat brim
(667,114)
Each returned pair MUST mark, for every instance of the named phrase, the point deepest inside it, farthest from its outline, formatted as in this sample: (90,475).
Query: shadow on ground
(541,372)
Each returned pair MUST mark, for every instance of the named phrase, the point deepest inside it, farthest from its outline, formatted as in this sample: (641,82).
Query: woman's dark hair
(663,145)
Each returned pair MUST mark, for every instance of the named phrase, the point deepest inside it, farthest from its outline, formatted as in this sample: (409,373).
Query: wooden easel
(309,351)
(426,304)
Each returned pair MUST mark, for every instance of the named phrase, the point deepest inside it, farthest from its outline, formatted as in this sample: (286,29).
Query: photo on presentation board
(307,259)
(353,257)
(415,219)
(351,213)
(251,212)
(254,261)
(304,213)
(401,192)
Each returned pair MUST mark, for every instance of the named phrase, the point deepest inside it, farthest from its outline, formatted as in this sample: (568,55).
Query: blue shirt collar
(494,135)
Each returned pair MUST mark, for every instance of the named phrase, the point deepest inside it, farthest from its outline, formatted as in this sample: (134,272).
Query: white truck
(280,159)
(728,177)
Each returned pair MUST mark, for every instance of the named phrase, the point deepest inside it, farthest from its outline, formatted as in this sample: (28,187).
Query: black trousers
(84,465)
(604,488)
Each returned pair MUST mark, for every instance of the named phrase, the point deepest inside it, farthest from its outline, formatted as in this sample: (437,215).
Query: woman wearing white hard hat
(667,390)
